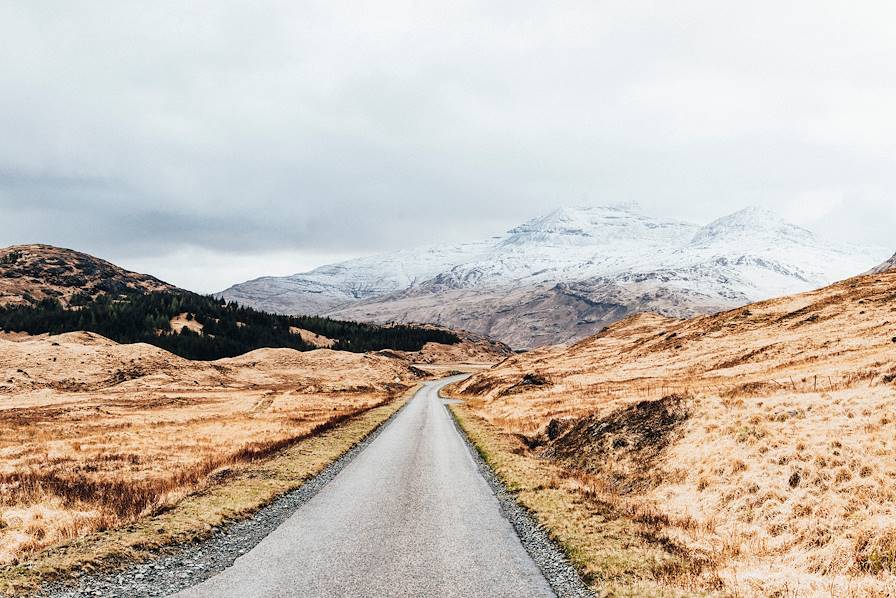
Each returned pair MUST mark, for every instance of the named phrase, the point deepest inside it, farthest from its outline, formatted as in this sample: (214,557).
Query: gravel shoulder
(548,556)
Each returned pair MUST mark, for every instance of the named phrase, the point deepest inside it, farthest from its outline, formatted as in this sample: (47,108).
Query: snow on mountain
(754,254)
(328,287)
(567,274)
(754,225)
(595,227)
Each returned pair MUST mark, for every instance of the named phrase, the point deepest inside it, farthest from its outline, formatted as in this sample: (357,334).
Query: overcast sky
(211,142)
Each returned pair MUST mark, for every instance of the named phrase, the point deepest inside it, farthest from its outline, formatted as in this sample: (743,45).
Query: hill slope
(758,440)
(45,272)
(569,273)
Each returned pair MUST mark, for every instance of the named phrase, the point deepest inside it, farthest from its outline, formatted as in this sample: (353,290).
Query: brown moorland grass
(232,493)
(759,441)
(95,435)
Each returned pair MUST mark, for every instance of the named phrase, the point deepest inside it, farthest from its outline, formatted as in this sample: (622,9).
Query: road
(409,516)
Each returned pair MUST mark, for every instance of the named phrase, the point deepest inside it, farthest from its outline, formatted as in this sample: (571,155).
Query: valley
(742,452)
(96,434)
(447,300)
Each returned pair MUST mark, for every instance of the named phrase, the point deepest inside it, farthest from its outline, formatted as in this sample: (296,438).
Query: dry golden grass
(762,439)
(183,320)
(234,492)
(94,435)
(313,339)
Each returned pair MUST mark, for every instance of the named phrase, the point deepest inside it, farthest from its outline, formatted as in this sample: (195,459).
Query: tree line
(228,329)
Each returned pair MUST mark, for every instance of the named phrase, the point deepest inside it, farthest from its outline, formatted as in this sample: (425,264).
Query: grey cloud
(327,127)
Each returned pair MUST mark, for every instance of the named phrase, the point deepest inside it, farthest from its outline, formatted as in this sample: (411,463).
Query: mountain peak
(754,222)
(752,216)
(756,215)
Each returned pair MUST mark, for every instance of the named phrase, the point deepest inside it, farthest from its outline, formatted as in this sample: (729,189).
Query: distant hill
(30,273)
(51,290)
(570,273)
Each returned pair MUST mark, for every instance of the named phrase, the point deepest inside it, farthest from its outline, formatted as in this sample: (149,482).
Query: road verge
(550,557)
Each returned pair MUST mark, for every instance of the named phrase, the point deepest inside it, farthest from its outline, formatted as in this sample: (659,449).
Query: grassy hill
(745,453)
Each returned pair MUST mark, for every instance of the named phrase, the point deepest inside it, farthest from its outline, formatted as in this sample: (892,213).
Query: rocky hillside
(34,272)
(834,331)
(471,348)
(568,274)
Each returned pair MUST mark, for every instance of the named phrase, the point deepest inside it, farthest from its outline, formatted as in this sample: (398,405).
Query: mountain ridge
(593,263)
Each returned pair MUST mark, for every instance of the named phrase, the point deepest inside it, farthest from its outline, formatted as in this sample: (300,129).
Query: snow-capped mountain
(569,273)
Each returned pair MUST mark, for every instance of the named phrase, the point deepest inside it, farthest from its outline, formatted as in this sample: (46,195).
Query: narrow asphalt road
(410,516)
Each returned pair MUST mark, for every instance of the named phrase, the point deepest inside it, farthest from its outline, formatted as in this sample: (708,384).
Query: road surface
(410,516)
